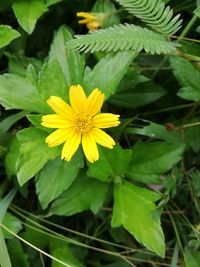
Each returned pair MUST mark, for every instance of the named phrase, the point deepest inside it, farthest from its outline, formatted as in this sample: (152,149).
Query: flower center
(82,124)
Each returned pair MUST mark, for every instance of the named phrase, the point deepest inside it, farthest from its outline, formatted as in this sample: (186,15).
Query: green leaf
(52,80)
(154,14)
(141,95)
(151,160)
(154,130)
(19,93)
(7,34)
(135,210)
(52,2)
(191,258)
(17,255)
(11,158)
(18,64)
(188,76)
(34,153)
(28,12)
(85,193)
(61,250)
(36,238)
(56,176)
(12,223)
(36,121)
(71,62)
(8,122)
(113,67)
(109,12)
(105,168)
(4,204)
(123,38)
(4,257)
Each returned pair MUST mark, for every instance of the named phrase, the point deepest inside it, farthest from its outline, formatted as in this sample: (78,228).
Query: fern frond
(123,37)
(154,13)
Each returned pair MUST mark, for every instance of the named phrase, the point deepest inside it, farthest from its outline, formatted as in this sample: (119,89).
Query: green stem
(188,26)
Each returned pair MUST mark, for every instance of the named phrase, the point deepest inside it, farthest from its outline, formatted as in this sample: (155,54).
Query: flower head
(92,20)
(79,122)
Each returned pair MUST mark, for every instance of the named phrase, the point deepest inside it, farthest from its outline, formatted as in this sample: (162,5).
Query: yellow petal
(93,25)
(102,138)
(84,21)
(85,15)
(105,120)
(90,148)
(77,98)
(70,146)
(94,102)
(60,106)
(58,137)
(55,121)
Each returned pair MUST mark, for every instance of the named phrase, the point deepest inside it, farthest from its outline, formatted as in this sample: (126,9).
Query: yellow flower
(79,123)
(91,20)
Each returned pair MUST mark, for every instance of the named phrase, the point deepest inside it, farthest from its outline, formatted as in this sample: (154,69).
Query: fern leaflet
(123,37)
(154,14)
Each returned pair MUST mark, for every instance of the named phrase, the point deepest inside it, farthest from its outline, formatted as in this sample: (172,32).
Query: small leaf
(56,176)
(151,160)
(34,153)
(105,168)
(7,34)
(188,76)
(85,193)
(12,223)
(113,67)
(154,130)
(28,12)
(71,62)
(135,210)
(61,250)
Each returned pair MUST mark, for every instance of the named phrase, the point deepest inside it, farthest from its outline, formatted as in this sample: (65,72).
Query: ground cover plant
(99,133)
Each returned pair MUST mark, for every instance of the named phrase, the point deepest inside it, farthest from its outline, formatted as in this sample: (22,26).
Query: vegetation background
(139,204)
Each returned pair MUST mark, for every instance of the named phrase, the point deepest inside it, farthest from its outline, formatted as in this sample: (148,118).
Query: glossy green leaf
(113,67)
(71,62)
(7,34)
(34,153)
(141,95)
(135,210)
(155,131)
(12,223)
(105,168)
(28,12)
(52,80)
(56,176)
(19,93)
(84,194)
(189,78)
(61,250)
(151,160)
